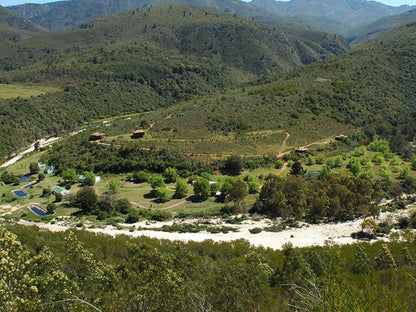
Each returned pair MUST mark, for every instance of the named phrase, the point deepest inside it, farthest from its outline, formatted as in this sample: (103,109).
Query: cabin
(137,134)
(341,137)
(59,190)
(97,136)
(302,150)
(49,170)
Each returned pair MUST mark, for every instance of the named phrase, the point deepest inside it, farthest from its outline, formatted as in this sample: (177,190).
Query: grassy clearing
(8,91)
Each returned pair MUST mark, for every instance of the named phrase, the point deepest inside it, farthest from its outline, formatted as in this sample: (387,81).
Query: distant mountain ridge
(335,16)
(381,26)
(349,13)
(11,19)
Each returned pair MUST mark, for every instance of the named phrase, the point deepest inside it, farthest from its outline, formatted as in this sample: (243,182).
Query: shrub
(255,230)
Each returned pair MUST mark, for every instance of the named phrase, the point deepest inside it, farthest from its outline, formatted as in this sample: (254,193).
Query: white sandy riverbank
(305,236)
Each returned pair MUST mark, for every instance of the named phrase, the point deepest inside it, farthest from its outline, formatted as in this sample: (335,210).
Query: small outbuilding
(302,150)
(341,137)
(57,189)
(97,136)
(137,134)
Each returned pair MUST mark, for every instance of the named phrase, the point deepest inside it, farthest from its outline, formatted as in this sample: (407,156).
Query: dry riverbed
(305,235)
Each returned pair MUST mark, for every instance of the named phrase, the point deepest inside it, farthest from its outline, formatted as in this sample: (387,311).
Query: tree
(324,172)
(33,168)
(297,169)
(404,173)
(89,178)
(253,184)
(170,175)
(279,163)
(123,205)
(362,263)
(58,197)
(369,225)
(238,191)
(233,165)
(355,166)
(156,182)
(384,259)
(413,163)
(50,208)
(163,195)
(141,176)
(272,200)
(41,177)
(113,185)
(70,175)
(86,199)
(46,192)
(202,189)
(181,189)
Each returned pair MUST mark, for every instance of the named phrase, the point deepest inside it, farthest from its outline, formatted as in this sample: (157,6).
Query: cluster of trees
(106,205)
(331,198)
(72,270)
(78,153)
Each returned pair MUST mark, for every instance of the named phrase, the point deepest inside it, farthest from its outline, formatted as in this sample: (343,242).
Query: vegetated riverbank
(255,231)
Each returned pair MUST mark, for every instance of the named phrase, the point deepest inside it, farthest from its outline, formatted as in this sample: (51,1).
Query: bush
(255,230)
(133,217)
(141,176)
(403,222)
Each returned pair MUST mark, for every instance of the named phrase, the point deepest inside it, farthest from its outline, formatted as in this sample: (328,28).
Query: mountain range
(336,16)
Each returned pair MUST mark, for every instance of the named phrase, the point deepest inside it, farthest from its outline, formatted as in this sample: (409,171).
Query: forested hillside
(140,60)
(14,27)
(371,89)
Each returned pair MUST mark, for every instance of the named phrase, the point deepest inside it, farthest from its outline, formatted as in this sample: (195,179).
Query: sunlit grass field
(10,91)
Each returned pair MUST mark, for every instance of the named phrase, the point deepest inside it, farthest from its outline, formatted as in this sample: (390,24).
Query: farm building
(341,137)
(301,149)
(137,134)
(97,136)
(57,189)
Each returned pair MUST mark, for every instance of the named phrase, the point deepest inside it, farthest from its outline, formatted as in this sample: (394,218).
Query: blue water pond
(39,212)
(20,193)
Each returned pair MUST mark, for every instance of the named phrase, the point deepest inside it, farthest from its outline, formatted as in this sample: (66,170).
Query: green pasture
(10,91)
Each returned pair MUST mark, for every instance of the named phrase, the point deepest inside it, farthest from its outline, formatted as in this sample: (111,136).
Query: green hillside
(371,90)
(140,60)
(14,27)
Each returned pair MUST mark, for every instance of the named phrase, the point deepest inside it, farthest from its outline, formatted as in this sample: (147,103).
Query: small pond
(39,211)
(20,193)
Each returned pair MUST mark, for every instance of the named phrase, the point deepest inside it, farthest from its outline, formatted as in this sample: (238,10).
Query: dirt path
(284,143)
(175,205)
(139,205)
(283,168)
(164,208)
(8,209)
